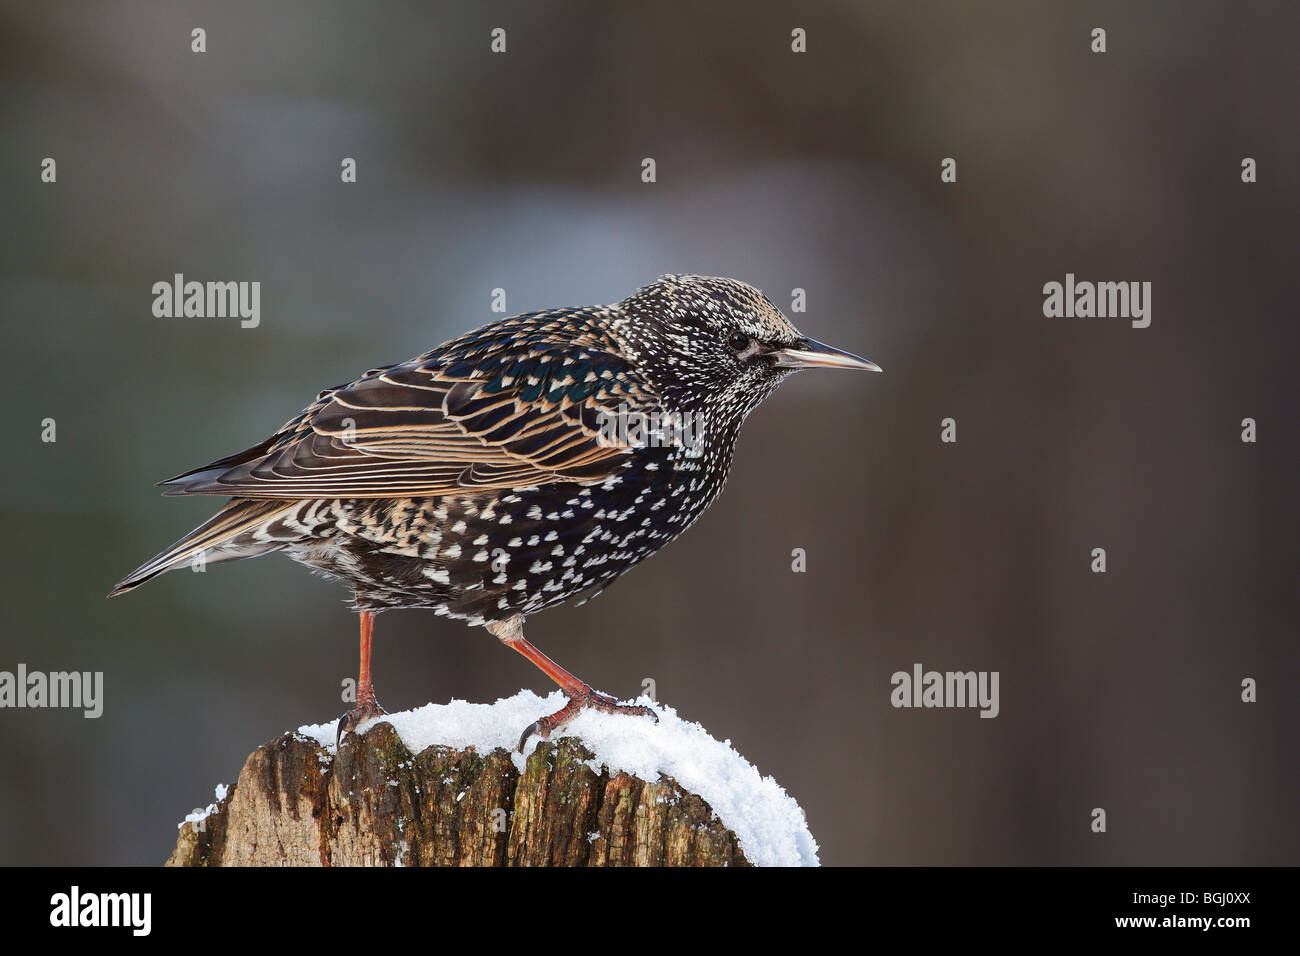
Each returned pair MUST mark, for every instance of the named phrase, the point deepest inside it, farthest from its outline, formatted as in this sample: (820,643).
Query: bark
(377,804)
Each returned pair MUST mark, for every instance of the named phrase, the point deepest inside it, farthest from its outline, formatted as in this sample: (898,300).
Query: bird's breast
(488,555)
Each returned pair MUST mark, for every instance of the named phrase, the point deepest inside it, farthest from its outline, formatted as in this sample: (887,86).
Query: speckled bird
(511,469)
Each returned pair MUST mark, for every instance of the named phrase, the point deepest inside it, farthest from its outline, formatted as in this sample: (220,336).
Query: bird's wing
(493,410)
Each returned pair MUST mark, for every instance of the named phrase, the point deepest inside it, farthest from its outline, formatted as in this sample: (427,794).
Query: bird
(523,464)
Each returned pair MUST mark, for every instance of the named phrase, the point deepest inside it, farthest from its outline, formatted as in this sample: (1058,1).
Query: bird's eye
(739,341)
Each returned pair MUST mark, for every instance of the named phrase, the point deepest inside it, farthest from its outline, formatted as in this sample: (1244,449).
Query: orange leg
(568,683)
(367,706)
(580,694)
(366,686)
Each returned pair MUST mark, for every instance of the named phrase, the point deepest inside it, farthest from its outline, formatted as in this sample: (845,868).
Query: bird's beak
(813,354)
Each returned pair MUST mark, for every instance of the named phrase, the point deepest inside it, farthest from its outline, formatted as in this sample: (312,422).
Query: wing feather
(514,404)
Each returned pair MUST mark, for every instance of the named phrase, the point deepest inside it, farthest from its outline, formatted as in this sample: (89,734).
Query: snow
(198,816)
(769,824)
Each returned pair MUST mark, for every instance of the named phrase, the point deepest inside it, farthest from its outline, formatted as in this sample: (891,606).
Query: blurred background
(819,171)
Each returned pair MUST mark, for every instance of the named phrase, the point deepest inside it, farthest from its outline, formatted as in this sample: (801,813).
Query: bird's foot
(366,708)
(582,700)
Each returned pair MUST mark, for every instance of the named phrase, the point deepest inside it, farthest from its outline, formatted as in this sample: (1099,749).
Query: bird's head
(701,339)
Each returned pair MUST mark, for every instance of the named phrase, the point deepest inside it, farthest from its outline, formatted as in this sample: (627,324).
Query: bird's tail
(230,534)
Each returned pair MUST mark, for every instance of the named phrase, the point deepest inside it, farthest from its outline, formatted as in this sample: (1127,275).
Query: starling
(506,471)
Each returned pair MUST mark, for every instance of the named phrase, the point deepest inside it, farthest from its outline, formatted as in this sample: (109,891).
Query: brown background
(818,171)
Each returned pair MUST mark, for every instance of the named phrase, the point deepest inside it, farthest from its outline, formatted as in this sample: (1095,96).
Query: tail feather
(227,536)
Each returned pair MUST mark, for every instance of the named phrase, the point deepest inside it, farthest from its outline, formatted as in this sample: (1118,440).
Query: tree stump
(378,804)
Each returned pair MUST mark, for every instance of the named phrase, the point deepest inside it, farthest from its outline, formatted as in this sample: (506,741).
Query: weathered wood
(377,804)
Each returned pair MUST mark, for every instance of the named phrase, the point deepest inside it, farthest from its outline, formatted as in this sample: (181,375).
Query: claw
(350,721)
(578,702)
(528,732)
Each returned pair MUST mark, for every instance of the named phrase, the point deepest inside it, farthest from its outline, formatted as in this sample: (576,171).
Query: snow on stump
(443,786)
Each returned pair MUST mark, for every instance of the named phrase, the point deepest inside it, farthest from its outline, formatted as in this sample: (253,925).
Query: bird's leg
(581,696)
(367,706)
